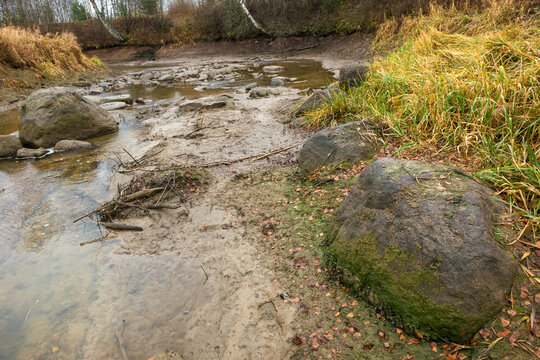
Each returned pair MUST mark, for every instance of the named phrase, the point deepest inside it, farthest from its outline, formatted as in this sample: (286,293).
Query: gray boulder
(314,101)
(418,239)
(351,142)
(352,75)
(9,144)
(55,114)
(278,81)
(32,153)
(70,145)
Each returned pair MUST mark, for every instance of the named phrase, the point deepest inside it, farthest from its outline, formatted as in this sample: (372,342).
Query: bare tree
(115,34)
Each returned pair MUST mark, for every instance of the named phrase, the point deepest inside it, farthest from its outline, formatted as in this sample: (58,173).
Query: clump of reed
(46,55)
(465,82)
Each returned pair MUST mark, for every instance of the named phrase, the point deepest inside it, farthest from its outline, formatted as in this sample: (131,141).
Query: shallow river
(57,294)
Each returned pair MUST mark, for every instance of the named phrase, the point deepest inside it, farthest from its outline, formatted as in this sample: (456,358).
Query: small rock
(277,81)
(96,90)
(166,77)
(116,105)
(195,105)
(114,98)
(262,92)
(9,144)
(352,75)
(350,142)
(313,101)
(27,153)
(70,145)
(82,84)
(250,86)
(140,101)
(273,68)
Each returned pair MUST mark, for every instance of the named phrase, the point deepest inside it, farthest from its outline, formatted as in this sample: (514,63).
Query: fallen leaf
(512,312)
(297,340)
(515,335)
(434,346)
(399,331)
(504,322)
(203,228)
(367,347)
(350,315)
(357,335)
(336,314)
(503,333)
(419,334)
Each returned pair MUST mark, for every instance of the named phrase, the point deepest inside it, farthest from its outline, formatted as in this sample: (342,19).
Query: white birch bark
(253,21)
(115,34)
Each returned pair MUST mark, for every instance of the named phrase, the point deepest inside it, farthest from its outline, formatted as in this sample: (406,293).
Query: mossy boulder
(354,141)
(418,239)
(54,114)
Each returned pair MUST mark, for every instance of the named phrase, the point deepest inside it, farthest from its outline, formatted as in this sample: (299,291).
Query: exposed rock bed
(419,238)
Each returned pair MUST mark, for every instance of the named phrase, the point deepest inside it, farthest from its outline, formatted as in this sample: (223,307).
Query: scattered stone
(9,144)
(259,92)
(82,84)
(140,101)
(70,145)
(419,238)
(273,68)
(54,114)
(116,105)
(313,101)
(251,86)
(195,105)
(352,75)
(31,153)
(166,77)
(114,98)
(96,90)
(277,81)
(350,142)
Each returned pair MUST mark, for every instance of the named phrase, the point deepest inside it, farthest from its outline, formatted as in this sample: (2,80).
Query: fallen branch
(217,163)
(118,226)
(121,342)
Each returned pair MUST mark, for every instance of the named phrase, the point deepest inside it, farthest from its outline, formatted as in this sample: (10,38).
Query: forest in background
(158,22)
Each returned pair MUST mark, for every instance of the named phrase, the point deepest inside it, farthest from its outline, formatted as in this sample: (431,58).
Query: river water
(58,293)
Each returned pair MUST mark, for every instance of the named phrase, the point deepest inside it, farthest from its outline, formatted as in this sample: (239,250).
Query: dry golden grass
(48,56)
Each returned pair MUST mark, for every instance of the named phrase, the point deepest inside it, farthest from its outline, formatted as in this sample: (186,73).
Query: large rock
(351,142)
(9,144)
(352,75)
(418,239)
(55,114)
(314,101)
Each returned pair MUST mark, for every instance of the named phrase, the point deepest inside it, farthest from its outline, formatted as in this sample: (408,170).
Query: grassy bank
(463,83)
(28,59)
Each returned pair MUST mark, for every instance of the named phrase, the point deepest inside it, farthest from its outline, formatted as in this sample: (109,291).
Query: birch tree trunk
(115,34)
(253,21)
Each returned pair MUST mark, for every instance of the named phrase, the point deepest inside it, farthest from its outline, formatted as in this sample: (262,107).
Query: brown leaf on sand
(514,337)
(297,340)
